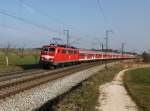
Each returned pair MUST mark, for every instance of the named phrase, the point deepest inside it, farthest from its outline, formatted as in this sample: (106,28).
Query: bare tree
(146,57)
(21,49)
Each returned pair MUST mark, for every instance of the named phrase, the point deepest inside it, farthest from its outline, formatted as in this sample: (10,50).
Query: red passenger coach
(53,55)
(89,55)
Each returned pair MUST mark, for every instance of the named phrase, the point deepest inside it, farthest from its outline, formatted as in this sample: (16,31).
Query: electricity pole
(106,50)
(67,32)
(107,31)
(102,46)
(122,48)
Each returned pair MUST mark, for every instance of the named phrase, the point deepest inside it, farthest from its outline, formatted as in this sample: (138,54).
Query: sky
(33,23)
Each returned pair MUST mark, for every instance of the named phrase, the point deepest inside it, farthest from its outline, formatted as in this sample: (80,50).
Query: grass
(85,96)
(137,83)
(2,58)
(16,60)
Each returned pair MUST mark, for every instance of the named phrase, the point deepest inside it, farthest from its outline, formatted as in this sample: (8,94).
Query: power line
(102,12)
(27,21)
(68,37)
(44,14)
(82,35)
(18,29)
(5,13)
(56,20)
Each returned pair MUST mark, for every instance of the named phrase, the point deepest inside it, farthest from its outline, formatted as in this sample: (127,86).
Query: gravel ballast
(34,98)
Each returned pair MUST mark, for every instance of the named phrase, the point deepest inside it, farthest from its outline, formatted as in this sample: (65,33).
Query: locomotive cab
(47,56)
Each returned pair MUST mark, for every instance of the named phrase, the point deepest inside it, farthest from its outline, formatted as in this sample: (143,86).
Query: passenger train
(59,55)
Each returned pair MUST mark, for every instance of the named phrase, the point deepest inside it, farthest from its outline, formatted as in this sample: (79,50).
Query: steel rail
(16,86)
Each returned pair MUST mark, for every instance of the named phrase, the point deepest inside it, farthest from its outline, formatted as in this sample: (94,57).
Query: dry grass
(84,97)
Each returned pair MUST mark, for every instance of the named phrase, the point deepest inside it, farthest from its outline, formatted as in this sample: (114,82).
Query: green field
(17,60)
(137,83)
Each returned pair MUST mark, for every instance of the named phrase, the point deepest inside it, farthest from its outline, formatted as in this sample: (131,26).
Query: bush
(146,57)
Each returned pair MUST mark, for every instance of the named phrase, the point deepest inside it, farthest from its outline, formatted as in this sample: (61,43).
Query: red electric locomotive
(54,55)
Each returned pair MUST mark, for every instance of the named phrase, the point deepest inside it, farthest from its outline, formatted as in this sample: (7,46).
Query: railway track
(12,84)
(14,75)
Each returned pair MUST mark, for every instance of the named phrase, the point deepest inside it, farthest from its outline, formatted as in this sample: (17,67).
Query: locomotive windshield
(46,49)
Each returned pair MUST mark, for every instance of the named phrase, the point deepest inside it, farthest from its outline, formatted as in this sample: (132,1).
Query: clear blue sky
(129,20)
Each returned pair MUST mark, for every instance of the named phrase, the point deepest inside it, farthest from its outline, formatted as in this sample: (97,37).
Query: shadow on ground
(30,66)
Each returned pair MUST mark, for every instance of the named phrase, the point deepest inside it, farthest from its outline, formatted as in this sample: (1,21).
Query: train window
(45,49)
(48,49)
(75,52)
(51,49)
(64,51)
(90,55)
(70,52)
(82,54)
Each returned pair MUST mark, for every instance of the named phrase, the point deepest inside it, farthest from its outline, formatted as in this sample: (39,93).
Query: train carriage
(88,55)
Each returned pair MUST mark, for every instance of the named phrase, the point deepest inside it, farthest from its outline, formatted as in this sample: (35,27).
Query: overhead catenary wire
(42,13)
(19,29)
(102,13)
(54,19)
(5,13)
(33,23)
(80,33)
(27,21)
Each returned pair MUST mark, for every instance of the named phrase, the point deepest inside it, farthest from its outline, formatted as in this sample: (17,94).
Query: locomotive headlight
(48,57)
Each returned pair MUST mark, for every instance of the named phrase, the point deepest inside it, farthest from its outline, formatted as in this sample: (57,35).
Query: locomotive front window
(48,49)
(51,49)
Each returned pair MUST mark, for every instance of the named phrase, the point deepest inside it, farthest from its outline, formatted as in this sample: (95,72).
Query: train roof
(58,45)
(61,46)
(86,50)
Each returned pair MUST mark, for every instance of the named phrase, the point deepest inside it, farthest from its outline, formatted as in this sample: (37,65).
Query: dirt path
(113,96)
